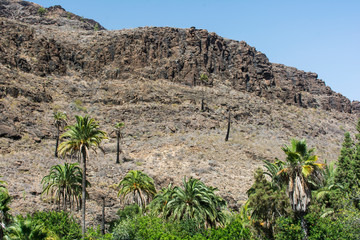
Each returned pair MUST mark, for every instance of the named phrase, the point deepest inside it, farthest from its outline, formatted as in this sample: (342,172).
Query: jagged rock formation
(178,55)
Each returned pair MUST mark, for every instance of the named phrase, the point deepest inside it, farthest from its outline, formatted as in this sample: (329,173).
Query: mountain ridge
(179,55)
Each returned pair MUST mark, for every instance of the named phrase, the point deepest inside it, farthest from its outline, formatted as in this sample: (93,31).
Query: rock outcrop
(177,55)
(34,14)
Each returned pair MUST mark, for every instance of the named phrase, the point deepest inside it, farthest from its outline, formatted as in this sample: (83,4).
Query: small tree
(96,27)
(42,11)
(118,126)
(198,202)
(344,172)
(64,184)
(139,185)
(267,202)
(203,81)
(60,121)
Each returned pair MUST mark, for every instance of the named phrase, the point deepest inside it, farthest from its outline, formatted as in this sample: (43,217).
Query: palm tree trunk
(59,201)
(57,141)
(304,225)
(228,128)
(118,147)
(103,217)
(84,153)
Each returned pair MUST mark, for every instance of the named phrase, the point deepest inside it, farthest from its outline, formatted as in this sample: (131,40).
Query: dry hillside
(149,79)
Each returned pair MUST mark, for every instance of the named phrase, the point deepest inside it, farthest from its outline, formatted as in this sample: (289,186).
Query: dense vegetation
(294,198)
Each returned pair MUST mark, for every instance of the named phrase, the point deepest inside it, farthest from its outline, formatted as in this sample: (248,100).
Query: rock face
(29,12)
(177,55)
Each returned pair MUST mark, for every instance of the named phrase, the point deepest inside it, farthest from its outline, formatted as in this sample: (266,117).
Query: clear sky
(321,36)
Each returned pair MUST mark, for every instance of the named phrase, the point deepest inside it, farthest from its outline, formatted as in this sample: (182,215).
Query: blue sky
(321,36)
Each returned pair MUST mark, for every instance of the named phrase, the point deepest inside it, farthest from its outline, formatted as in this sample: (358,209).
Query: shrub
(95,234)
(287,228)
(235,230)
(344,225)
(60,223)
(42,11)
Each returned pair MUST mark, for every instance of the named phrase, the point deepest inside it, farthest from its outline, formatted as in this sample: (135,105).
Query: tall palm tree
(118,126)
(140,185)
(299,166)
(25,229)
(196,201)
(60,120)
(64,183)
(81,137)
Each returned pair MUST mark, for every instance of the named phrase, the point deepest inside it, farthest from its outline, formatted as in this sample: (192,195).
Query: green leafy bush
(95,234)
(41,11)
(235,230)
(343,225)
(60,223)
(287,229)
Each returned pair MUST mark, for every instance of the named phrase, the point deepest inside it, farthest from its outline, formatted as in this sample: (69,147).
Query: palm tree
(273,168)
(64,184)
(25,229)
(299,166)
(118,127)
(140,185)
(161,199)
(80,137)
(203,81)
(196,201)
(60,120)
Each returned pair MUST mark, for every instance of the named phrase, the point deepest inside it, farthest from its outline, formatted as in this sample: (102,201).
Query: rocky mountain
(149,78)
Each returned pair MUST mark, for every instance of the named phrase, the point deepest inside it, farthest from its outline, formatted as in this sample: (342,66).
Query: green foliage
(119,125)
(198,202)
(59,117)
(82,136)
(204,79)
(61,223)
(95,234)
(139,185)
(158,204)
(300,166)
(235,230)
(267,203)
(277,180)
(42,11)
(26,229)
(345,174)
(344,225)
(151,227)
(5,200)
(79,106)
(287,229)
(129,211)
(64,184)
(96,27)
